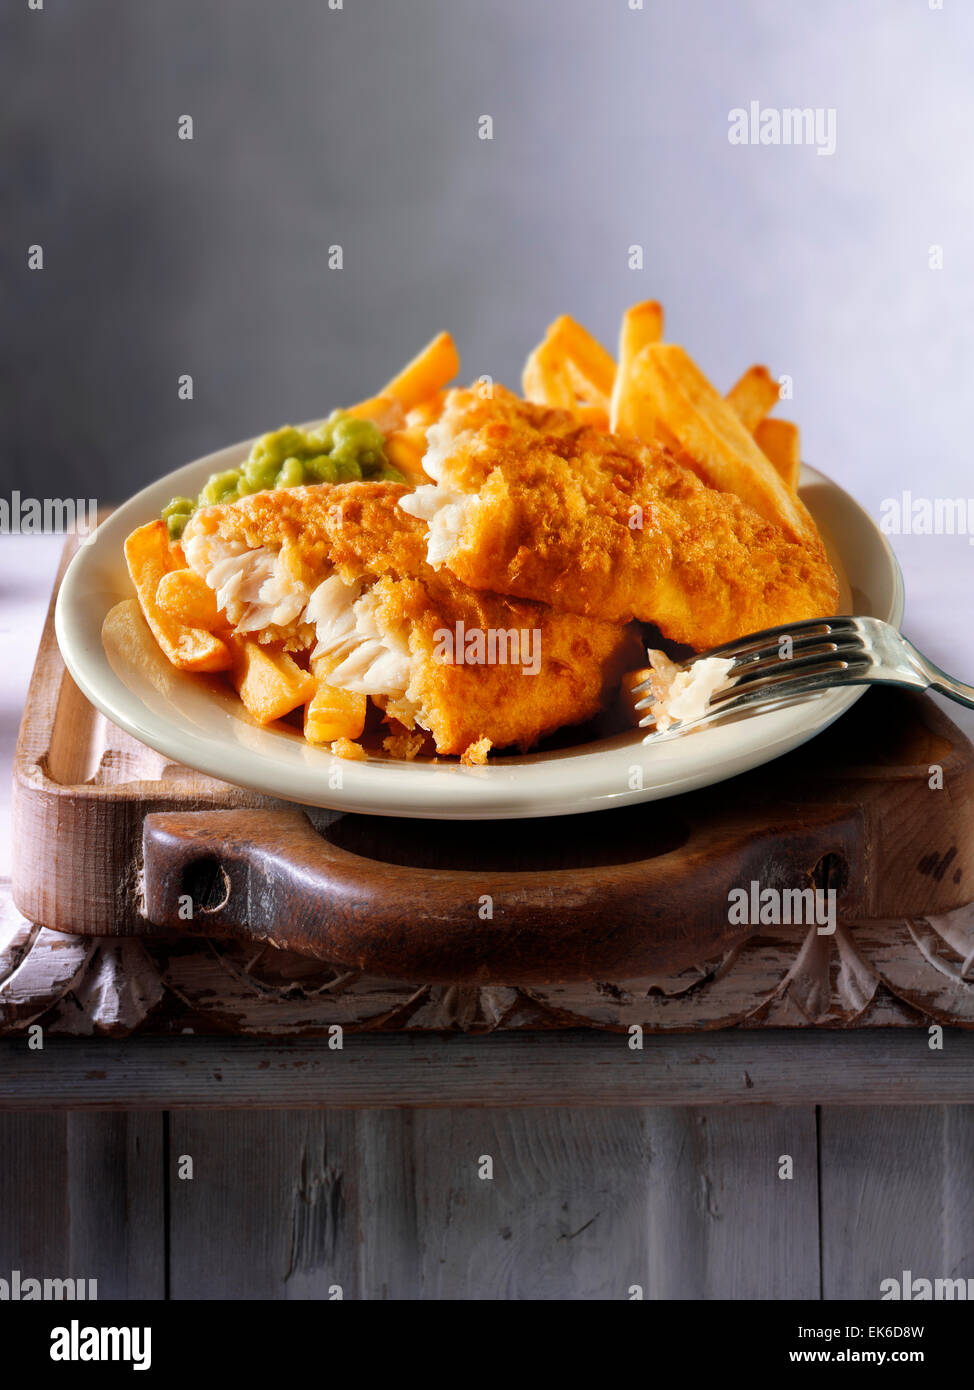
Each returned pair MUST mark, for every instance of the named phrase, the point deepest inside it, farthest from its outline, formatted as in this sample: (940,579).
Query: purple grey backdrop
(359,126)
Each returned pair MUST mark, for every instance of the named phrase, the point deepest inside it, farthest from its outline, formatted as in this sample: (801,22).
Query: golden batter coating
(582,659)
(550,669)
(607,527)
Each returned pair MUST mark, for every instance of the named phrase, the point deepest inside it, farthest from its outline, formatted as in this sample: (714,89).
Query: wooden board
(505,1070)
(892,974)
(602,921)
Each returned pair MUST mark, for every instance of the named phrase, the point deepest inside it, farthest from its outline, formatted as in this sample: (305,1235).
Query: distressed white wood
(118,990)
(580,1205)
(723,1223)
(682,1202)
(873,975)
(896,1187)
(276,1194)
(50,968)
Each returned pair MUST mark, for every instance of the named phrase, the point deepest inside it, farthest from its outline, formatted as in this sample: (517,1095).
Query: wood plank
(897,1189)
(572,1068)
(581,1204)
(723,1223)
(81,1197)
(589,1204)
(561,1217)
(274,1195)
(114,1184)
(34,1235)
(389,1204)
(958,1205)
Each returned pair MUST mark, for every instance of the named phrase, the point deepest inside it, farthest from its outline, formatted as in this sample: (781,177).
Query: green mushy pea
(342,450)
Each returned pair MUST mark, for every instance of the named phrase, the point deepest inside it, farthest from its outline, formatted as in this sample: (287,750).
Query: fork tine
(810,645)
(777,670)
(770,636)
(785,687)
(765,646)
(753,667)
(792,671)
(724,712)
(759,647)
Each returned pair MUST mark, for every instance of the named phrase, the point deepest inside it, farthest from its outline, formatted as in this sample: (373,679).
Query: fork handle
(949,685)
(946,684)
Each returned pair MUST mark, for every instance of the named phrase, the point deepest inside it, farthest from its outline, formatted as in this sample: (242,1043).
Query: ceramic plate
(198,721)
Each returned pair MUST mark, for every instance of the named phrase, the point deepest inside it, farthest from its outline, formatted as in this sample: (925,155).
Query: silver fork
(824,653)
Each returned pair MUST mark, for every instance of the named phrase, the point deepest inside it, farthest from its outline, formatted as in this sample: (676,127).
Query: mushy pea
(342,450)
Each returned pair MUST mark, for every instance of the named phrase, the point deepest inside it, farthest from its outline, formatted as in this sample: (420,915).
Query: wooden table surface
(684,1200)
(610,1168)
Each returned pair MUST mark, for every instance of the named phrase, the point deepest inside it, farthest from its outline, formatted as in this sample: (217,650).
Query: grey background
(359,126)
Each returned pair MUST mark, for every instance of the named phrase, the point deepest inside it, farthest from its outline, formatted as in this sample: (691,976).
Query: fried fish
(527,501)
(338,575)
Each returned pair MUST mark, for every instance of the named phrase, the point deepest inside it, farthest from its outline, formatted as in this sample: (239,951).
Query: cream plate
(199,721)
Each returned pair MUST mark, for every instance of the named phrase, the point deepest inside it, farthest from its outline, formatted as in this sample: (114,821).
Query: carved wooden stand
(889,974)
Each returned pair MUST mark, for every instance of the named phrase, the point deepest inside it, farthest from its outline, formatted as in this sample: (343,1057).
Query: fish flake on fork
(785,664)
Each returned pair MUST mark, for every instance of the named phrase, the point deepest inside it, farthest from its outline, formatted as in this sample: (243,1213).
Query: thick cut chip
(188,647)
(269,682)
(753,396)
(591,369)
(641,325)
(546,380)
(185,596)
(334,713)
(427,373)
(405,449)
(385,412)
(780,440)
(685,412)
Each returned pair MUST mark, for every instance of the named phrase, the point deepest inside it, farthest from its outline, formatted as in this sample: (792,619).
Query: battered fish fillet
(341,572)
(527,501)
